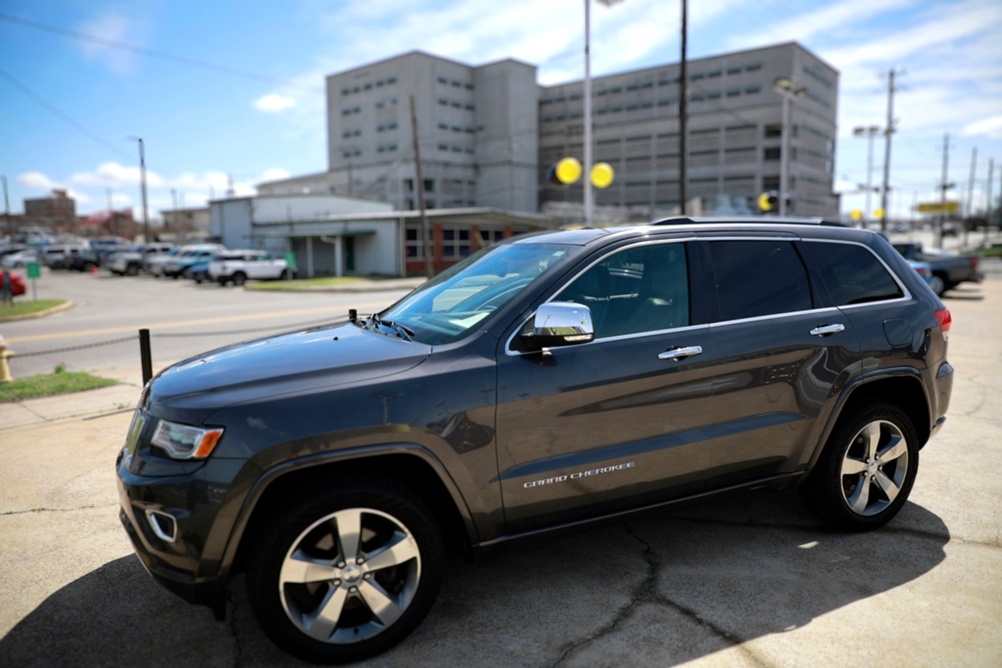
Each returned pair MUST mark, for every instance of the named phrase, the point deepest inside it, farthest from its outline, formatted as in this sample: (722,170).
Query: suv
(551,381)
(188,255)
(240,265)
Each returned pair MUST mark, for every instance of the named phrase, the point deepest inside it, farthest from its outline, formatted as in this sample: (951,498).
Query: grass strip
(23,307)
(48,384)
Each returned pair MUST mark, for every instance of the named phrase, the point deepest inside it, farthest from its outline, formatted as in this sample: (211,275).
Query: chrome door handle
(680,353)
(825,330)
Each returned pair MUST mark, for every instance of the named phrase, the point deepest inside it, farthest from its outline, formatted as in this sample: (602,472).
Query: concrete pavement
(753,580)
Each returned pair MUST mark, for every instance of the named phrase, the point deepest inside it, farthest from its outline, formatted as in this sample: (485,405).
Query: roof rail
(755,220)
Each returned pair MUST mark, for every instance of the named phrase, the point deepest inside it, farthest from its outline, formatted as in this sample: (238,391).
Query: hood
(297,362)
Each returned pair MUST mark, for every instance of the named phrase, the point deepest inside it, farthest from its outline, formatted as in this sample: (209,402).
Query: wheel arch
(902,388)
(402,465)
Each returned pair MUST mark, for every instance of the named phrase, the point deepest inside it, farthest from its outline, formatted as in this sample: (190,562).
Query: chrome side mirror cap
(559,324)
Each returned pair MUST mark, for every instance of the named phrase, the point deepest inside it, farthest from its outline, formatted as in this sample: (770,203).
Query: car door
(778,355)
(596,427)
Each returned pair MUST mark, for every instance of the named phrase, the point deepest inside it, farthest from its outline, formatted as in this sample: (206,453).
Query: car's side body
(726,371)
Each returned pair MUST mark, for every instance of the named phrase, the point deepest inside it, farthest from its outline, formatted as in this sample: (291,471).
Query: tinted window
(852,274)
(756,278)
(636,290)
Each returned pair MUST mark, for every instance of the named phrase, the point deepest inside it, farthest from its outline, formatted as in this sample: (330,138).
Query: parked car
(12,282)
(924,269)
(19,259)
(950,268)
(175,265)
(551,381)
(153,264)
(131,262)
(198,271)
(60,256)
(239,265)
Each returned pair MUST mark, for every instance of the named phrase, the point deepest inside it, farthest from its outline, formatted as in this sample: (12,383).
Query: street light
(142,181)
(868,132)
(588,197)
(787,87)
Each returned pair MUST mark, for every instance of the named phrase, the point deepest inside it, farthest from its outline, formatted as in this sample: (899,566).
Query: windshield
(455,302)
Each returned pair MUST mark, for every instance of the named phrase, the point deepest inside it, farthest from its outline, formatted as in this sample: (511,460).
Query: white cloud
(274,174)
(986,126)
(273,103)
(111,28)
(37,180)
(112,174)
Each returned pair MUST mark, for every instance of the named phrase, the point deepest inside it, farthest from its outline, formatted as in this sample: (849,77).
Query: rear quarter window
(852,274)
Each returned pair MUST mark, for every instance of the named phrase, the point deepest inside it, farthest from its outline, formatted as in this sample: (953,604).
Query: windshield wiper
(403,331)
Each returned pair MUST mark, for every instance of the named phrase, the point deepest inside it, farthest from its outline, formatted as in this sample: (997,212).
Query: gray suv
(547,382)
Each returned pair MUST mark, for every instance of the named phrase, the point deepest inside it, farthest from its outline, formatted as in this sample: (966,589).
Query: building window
(772,153)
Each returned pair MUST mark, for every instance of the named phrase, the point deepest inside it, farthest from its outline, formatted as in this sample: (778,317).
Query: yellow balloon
(568,170)
(602,175)
(763,202)
(856,214)
(878,213)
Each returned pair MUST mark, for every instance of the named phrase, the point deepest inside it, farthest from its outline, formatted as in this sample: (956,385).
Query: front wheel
(867,469)
(346,570)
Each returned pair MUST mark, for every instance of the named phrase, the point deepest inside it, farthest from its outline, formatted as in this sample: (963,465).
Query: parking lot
(753,580)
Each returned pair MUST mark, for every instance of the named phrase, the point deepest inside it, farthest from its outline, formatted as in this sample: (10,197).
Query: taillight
(923,271)
(945,319)
(974,261)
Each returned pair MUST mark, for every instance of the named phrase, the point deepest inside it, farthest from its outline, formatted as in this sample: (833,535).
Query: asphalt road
(748,581)
(101,329)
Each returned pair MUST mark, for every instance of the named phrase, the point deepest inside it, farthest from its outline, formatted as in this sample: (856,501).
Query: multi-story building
(488,134)
(58,207)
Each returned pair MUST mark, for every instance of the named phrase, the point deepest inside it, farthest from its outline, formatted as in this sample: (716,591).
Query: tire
(866,470)
(284,276)
(132,270)
(301,565)
(239,278)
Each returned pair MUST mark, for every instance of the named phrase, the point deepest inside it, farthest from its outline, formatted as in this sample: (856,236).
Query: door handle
(825,330)
(680,353)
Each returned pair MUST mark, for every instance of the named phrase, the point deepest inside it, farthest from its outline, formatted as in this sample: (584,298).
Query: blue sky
(228,90)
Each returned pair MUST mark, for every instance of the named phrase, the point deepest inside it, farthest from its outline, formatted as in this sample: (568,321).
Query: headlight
(182,441)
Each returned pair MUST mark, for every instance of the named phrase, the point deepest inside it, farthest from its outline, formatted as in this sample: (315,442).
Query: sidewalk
(102,401)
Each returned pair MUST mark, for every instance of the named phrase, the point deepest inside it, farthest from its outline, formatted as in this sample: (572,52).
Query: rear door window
(756,278)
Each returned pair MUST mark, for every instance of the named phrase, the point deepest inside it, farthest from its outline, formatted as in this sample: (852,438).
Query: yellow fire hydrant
(5,376)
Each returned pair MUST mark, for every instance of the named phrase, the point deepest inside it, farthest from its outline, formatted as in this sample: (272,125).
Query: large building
(488,135)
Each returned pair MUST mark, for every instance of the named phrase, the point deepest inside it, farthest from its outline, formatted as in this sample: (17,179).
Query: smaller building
(58,205)
(334,235)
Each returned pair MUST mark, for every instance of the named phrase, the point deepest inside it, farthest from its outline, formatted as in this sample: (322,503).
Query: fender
(854,385)
(275,473)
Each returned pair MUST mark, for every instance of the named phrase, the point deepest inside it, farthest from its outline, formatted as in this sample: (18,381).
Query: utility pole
(988,214)
(6,210)
(943,187)
(970,193)
(888,131)
(429,269)
(588,194)
(682,112)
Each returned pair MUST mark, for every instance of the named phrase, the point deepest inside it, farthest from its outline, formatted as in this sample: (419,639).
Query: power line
(152,53)
(62,116)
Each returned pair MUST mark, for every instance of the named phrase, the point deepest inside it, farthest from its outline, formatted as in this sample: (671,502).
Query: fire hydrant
(5,376)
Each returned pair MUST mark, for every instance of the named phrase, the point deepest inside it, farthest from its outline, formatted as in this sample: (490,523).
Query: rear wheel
(867,469)
(132,270)
(239,278)
(345,570)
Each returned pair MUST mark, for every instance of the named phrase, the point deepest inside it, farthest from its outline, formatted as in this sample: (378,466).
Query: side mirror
(558,324)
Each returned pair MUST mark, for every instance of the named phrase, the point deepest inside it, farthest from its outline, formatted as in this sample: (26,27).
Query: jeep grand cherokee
(546,382)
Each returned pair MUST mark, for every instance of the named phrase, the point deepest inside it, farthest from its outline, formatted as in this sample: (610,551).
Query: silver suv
(239,265)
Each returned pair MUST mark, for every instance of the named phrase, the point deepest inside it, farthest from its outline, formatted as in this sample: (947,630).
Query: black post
(145,357)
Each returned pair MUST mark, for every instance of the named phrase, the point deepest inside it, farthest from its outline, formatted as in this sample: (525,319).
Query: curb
(40,314)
